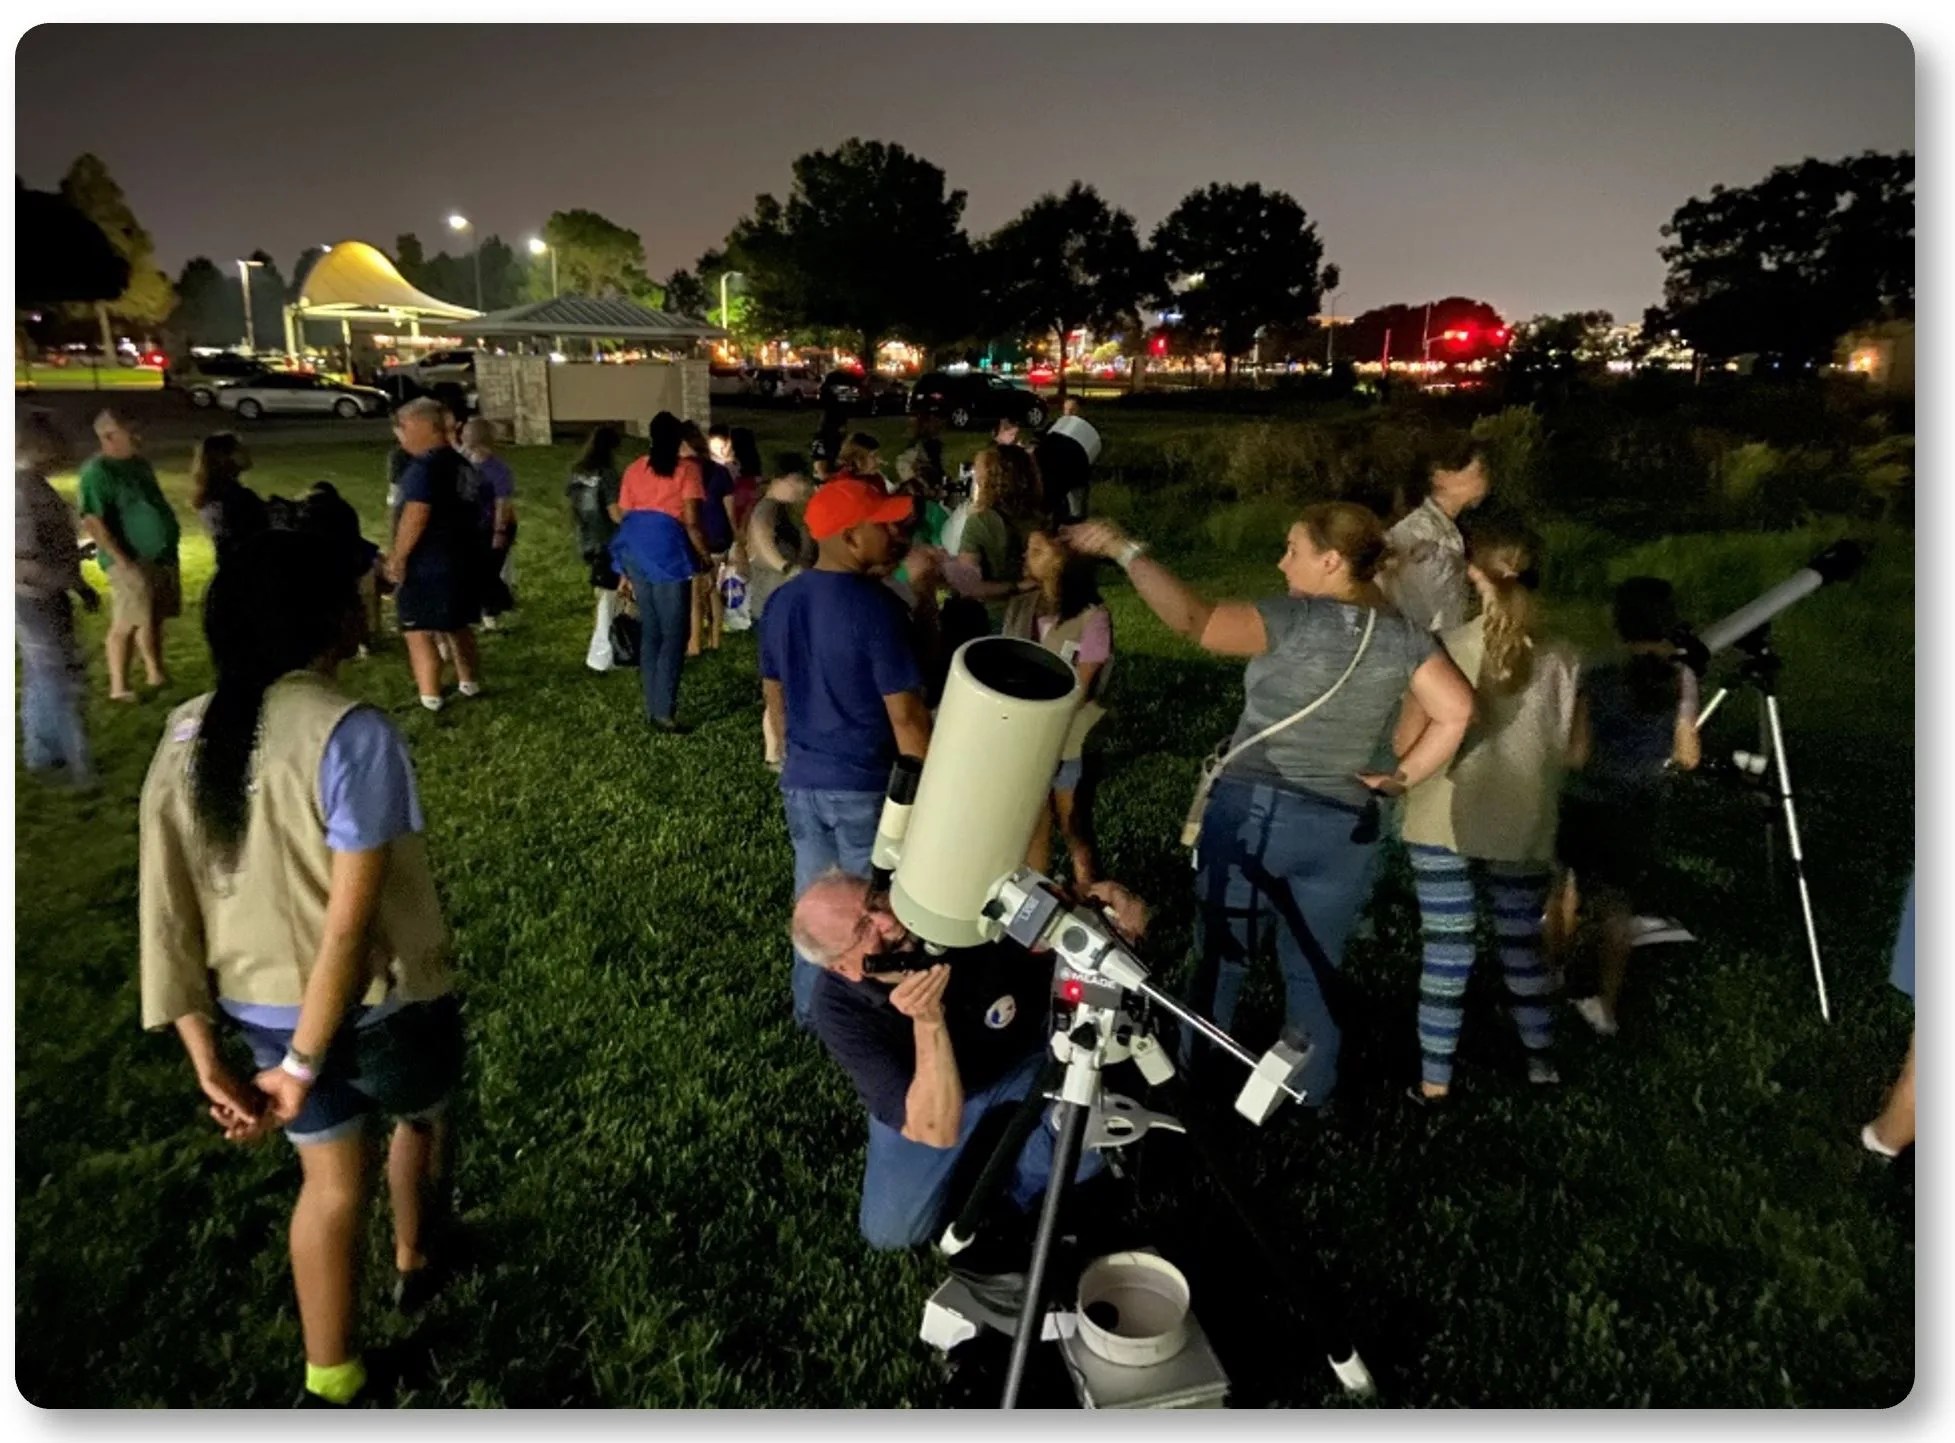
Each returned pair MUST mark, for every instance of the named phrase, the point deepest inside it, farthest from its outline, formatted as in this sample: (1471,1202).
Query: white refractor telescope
(950,851)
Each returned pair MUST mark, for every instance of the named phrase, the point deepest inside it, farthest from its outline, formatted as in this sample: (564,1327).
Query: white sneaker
(469,688)
(1595,1012)
(432,703)
(1653,931)
(1541,1072)
(1870,1140)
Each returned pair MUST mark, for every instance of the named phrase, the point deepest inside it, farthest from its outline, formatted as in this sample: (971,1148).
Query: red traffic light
(1158,346)
(1500,334)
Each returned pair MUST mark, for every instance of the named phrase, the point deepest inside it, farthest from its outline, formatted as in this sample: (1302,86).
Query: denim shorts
(403,1065)
(1072,771)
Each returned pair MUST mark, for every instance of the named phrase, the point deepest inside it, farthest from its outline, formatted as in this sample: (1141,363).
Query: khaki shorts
(148,592)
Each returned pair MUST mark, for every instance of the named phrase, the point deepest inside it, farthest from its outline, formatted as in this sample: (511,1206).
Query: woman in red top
(660,547)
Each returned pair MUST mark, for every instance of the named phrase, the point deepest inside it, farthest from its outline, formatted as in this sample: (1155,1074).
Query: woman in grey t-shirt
(1289,842)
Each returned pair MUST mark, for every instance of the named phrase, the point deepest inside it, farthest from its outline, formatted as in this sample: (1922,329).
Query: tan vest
(1022,620)
(250,933)
(1499,798)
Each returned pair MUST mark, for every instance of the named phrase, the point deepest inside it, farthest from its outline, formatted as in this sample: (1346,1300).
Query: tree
(1065,262)
(869,241)
(1409,329)
(1787,266)
(687,294)
(597,257)
(1235,258)
(209,310)
(302,268)
(409,258)
(63,254)
(1559,345)
(147,299)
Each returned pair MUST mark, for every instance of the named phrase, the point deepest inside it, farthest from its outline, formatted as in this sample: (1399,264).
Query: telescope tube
(1838,562)
(995,745)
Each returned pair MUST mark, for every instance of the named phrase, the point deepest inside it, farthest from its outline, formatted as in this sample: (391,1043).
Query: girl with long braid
(285,888)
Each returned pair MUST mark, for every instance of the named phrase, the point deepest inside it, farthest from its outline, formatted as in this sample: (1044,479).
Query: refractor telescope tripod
(1092,982)
(1760,672)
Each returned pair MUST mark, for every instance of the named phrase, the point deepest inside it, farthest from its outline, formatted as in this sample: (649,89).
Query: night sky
(1530,166)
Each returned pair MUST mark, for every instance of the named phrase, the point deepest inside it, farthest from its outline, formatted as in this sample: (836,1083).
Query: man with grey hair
(932,1052)
(435,562)
(135,534)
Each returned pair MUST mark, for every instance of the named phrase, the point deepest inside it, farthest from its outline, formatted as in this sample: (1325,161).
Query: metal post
(244,286)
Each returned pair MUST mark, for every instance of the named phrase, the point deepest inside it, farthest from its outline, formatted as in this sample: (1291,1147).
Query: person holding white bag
(1286,840)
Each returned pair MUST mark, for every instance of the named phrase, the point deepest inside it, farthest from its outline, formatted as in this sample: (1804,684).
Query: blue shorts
(1072,771)
(403,1064)
(1901,974)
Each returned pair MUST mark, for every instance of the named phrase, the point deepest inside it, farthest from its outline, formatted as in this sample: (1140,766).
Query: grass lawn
(84,378)
(660,1175)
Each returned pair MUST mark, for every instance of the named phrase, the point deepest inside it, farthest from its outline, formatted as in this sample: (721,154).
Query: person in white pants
(593,493)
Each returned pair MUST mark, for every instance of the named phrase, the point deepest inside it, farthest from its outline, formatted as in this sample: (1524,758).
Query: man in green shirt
(123,510)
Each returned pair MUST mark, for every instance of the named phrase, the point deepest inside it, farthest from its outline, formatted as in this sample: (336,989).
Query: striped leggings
(1448,889)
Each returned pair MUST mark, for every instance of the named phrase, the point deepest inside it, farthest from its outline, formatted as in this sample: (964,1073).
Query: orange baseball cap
(849,501)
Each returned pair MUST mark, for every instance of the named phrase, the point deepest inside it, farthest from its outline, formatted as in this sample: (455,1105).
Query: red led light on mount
(1071,990)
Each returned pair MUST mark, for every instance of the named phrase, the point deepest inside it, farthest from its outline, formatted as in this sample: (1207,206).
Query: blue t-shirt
(838,644)
(712,515)
(443,481)
(368,797)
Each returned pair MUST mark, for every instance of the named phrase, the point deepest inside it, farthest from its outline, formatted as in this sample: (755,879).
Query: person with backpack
(593,492)
(660,546)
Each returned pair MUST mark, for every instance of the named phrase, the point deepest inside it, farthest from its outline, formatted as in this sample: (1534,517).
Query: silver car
(299,393)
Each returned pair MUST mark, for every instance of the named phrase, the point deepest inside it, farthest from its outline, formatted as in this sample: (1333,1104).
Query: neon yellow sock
(337,1384)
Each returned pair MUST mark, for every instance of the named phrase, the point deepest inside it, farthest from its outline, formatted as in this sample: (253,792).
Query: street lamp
(725,318)
(537,246)
(459,222)
(244,286)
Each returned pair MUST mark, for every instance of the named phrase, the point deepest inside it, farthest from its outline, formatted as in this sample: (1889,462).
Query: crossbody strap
(1364,645)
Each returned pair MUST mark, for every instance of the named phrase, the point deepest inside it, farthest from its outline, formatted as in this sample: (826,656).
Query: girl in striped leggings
(1486,827)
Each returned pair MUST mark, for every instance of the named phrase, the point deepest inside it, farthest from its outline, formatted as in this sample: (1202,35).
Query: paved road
(166,420)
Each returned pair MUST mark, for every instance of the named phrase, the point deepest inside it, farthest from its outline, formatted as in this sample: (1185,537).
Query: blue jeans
(51,731)
(828,829)
(1273,860)
(665,626)
(906,1185)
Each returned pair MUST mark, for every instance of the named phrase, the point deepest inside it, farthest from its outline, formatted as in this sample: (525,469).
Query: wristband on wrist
(1128,553)
(298,1066)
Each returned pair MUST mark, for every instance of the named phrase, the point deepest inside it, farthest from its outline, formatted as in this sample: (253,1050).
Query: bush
(1251,526)
(1516,445)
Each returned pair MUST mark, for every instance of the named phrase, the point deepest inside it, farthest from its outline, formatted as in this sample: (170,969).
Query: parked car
(439,368)
(862,395)
(796,385)
(975,397)
(298,393)
(201,376)
(729,380)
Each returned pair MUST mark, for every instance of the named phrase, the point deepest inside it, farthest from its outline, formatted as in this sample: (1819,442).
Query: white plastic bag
(733,591)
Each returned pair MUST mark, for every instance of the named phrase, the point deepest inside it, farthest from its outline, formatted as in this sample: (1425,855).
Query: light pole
(460,223)
(244,286)
(537,246)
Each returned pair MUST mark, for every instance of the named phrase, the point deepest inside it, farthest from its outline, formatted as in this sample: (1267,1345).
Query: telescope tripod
(1760,673)
(1094,977)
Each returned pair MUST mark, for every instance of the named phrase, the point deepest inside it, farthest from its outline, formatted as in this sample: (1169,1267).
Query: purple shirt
(498,484)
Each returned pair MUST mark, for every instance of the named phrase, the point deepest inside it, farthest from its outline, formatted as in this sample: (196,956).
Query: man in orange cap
(842,682)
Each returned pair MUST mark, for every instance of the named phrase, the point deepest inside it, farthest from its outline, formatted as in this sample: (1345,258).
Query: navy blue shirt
(442,481)
(713,519)
(995,1010)
(1632,727)
(838,643)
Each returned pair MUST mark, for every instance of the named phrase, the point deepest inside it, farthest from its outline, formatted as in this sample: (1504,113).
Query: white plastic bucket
(1133,1309)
